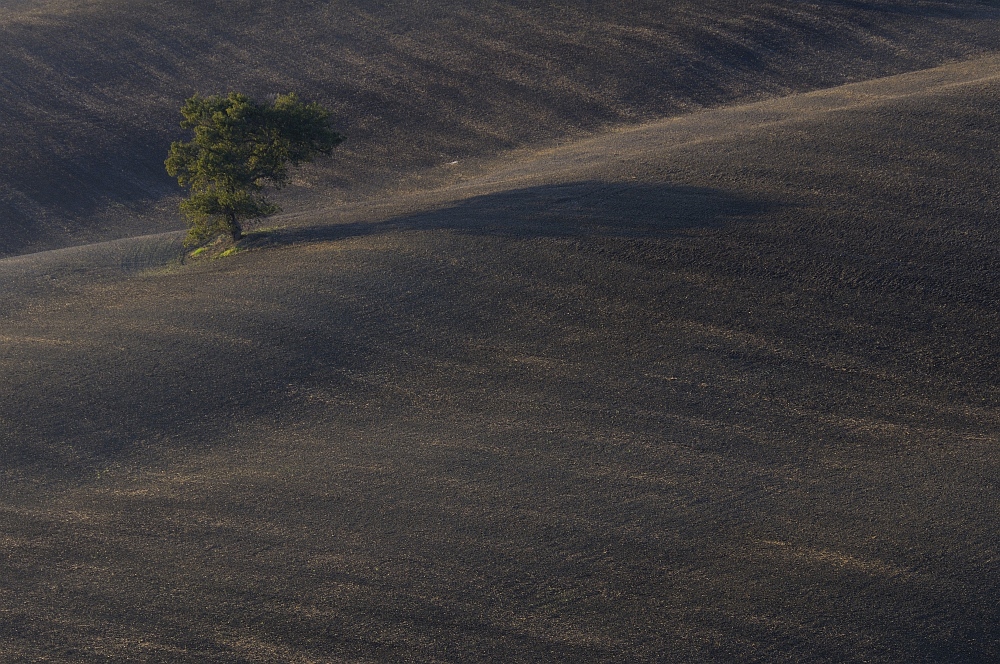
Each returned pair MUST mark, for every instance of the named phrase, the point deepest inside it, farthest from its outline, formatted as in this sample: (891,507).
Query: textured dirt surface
(715,388)
(90,91)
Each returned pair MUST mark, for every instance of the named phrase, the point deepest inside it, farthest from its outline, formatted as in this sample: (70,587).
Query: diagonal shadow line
(588,208)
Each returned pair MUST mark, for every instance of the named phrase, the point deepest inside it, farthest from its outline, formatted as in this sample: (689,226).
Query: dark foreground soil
(722,388)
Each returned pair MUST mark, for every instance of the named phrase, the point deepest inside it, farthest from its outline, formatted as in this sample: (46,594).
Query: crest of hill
(90,91)
(737,367)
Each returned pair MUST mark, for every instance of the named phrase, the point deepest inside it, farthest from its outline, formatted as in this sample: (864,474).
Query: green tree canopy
(241,148)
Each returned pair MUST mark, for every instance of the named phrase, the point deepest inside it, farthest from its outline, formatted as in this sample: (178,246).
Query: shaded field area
(719,388)
(90,91)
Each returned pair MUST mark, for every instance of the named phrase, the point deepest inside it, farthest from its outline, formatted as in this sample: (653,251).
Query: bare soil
(90,91)
(721,387)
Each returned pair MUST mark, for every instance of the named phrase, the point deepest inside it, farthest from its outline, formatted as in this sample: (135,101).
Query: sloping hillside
(89,91)
(718,388)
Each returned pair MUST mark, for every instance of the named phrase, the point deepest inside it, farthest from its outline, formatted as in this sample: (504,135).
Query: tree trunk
(235,228)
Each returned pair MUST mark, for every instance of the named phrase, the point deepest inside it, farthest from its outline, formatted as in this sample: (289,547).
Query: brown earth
(721,387)
(90,91)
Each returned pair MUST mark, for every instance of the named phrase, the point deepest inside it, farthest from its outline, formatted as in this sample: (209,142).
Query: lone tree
(241,148)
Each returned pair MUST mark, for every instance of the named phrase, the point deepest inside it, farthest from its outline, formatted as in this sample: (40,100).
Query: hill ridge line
(683,131)
(574,160)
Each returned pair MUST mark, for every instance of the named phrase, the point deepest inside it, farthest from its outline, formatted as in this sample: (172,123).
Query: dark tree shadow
(163,387)
(590,208)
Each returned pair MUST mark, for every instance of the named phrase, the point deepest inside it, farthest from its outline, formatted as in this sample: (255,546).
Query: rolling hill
(89,91)
(709,376)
